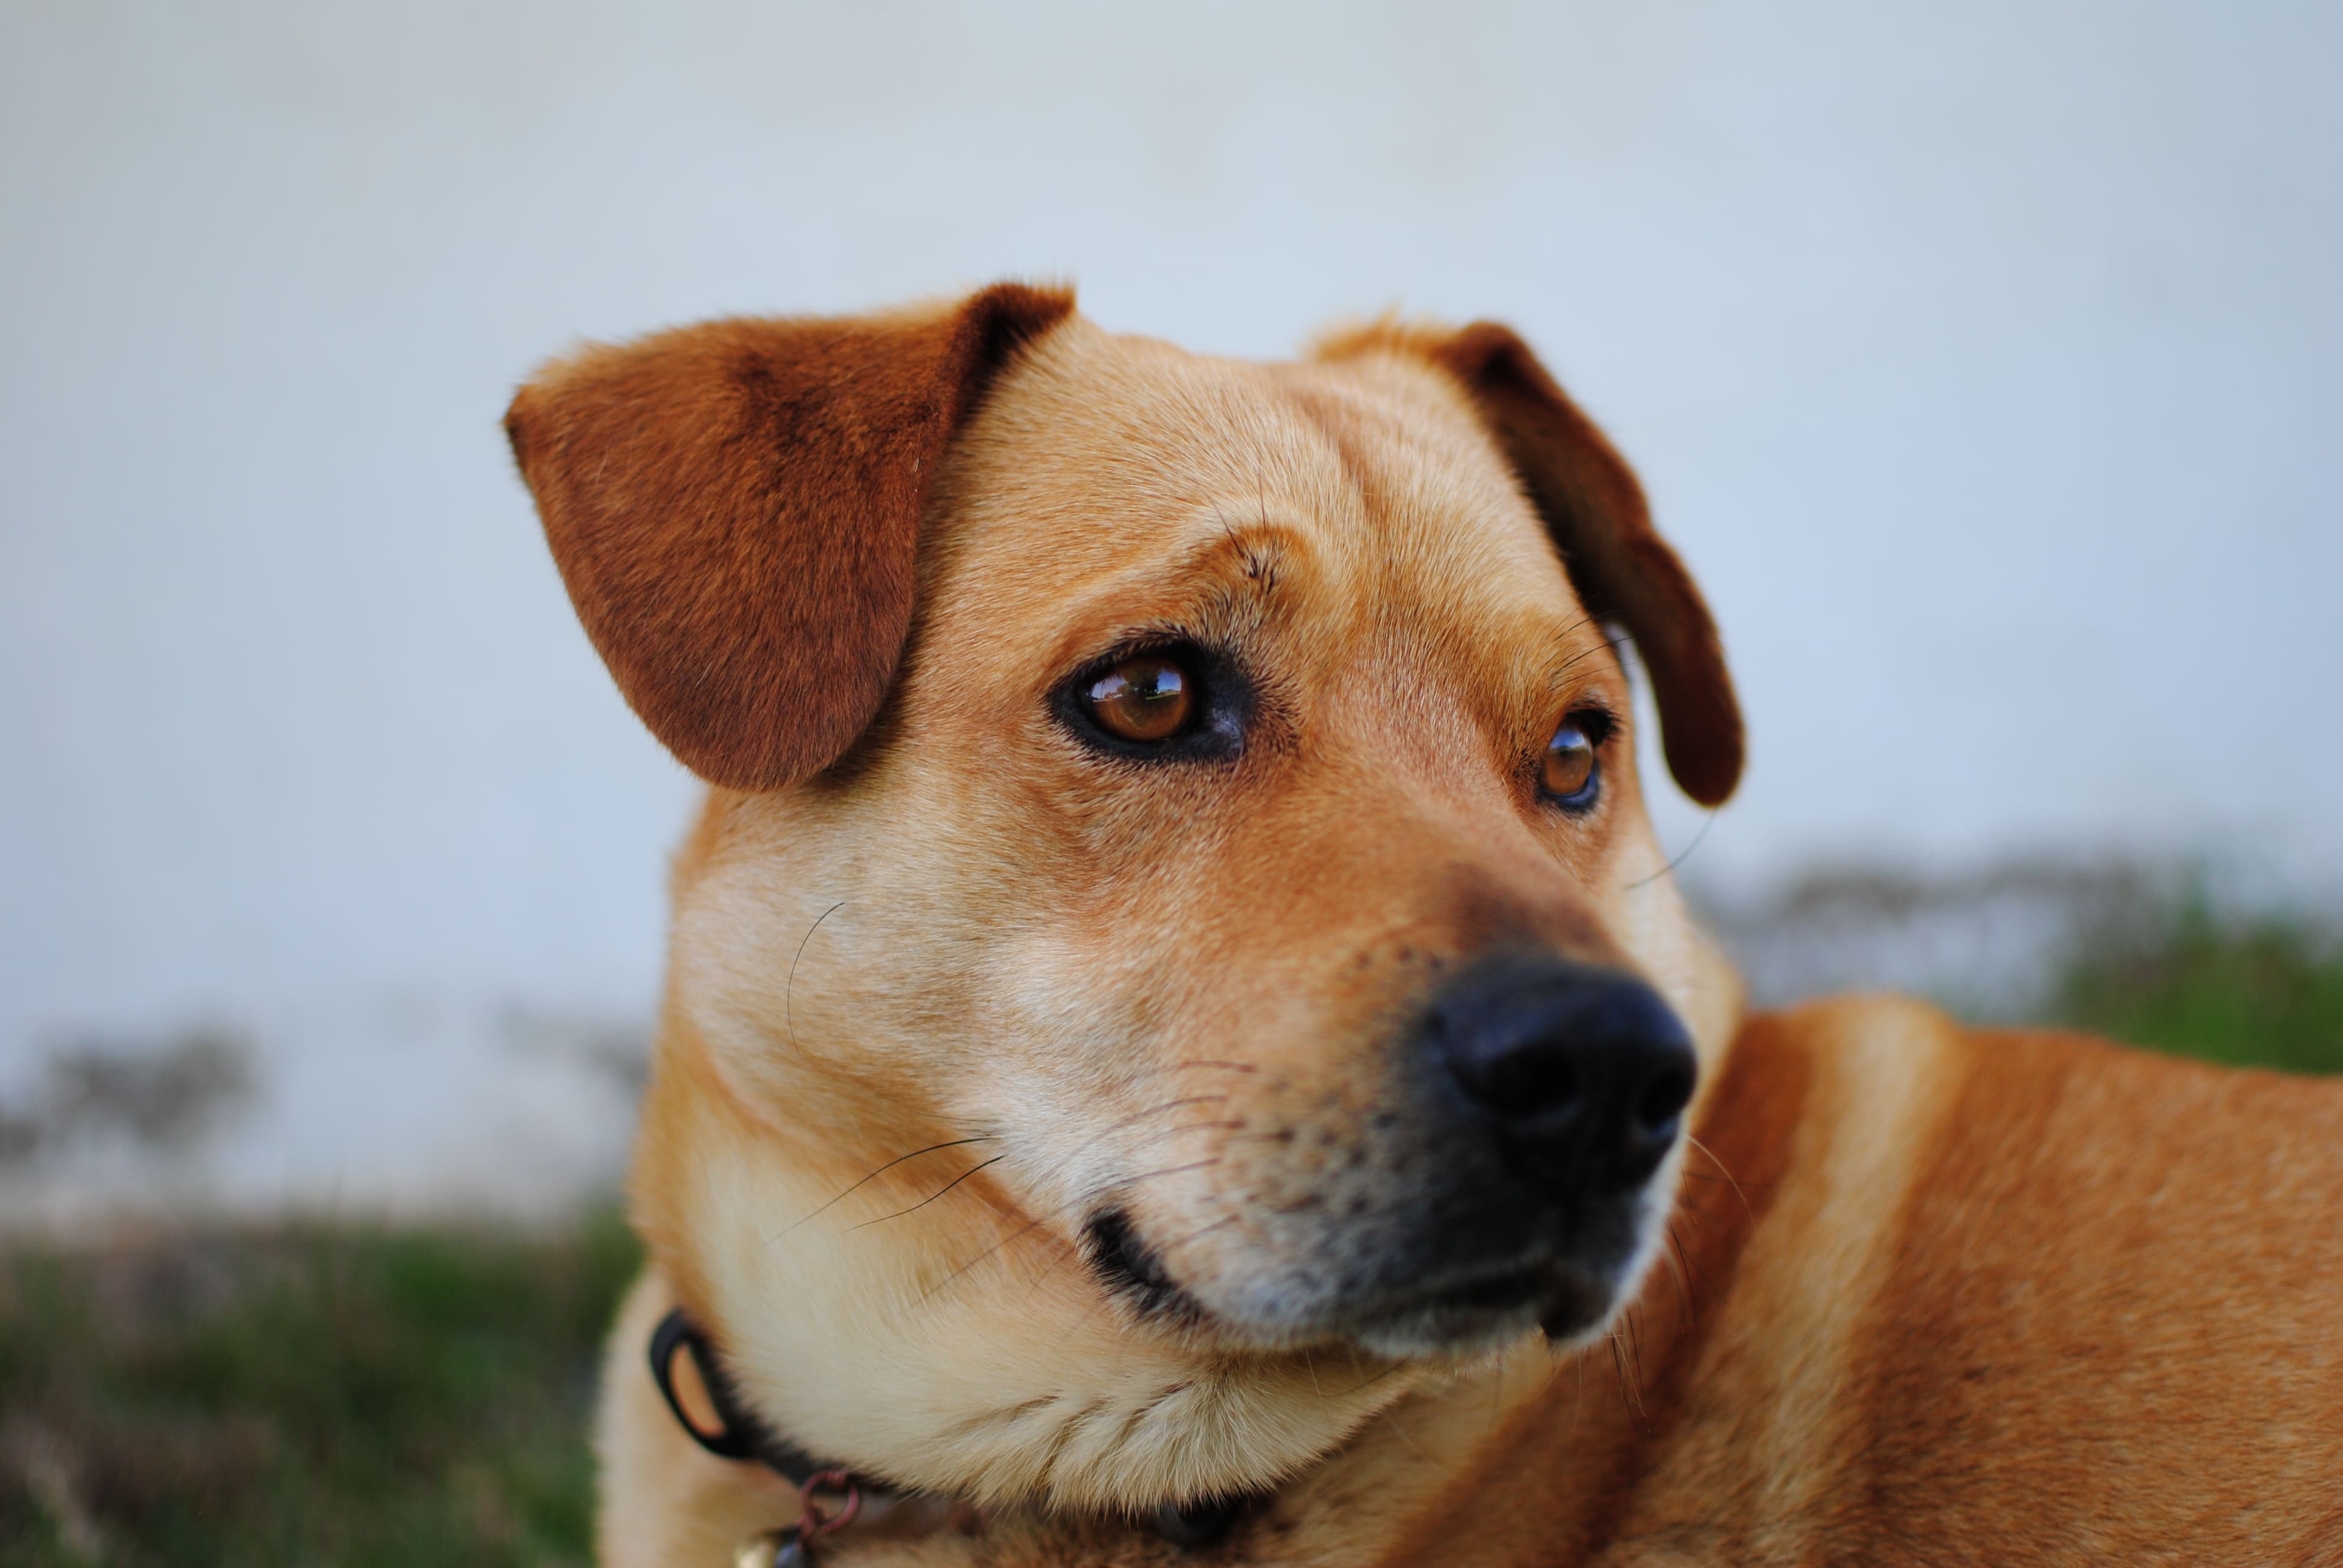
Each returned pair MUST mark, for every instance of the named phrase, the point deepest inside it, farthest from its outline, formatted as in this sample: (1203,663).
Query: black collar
(743,1435)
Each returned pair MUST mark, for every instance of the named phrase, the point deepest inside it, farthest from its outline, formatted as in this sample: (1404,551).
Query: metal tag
(775,1549)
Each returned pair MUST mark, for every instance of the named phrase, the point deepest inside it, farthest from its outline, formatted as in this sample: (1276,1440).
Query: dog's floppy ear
(1594,509)
(735,507)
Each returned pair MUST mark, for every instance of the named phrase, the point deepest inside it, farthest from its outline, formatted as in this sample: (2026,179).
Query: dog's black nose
(1585,1071)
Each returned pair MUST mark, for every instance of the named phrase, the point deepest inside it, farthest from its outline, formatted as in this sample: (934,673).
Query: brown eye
(1145,699)
(1567,770)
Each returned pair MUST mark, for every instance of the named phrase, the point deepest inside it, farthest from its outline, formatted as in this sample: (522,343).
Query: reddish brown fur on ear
(735,507)
(1594,509)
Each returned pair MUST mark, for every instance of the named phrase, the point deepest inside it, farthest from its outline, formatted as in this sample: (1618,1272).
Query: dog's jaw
(1016,1382)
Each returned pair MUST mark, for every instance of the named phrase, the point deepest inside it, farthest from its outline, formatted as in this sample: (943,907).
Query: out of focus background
(1980,358)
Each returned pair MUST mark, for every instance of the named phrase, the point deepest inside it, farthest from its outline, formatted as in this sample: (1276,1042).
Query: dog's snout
(1583,1071)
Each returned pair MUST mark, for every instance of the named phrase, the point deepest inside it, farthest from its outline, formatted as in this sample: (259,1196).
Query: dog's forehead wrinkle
(1430,480)
(1222,579)
(1162,420)
(1121,430)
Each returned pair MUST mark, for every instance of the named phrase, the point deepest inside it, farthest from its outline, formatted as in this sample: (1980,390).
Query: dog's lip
(1503,1290)
(1459,1305)
(1454,1309)
(1459,1313)
(1466,1312)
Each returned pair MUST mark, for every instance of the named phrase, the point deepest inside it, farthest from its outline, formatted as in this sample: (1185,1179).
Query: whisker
(1136,1117)
(1706,822)
(1614,643)
(1128,1181)
(1391,1414)
(1186,1062)
(1161,1133)
(1681,1265)
(1052,1213)
(1223,1223)
(1713,1159)
(1065,1252)
(932,1196)
(1684,1255)
(789,991)
(1688,1276)
(1026,1229)
(1065,1248)
(914,1154)
(1192,1100)
(1635,1327)
(1366,1382)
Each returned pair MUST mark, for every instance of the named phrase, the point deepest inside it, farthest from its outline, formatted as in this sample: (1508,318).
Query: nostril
(1663,1100)
(1530,1082)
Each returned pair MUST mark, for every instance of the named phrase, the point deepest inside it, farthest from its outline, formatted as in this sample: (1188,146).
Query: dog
(1180,1043)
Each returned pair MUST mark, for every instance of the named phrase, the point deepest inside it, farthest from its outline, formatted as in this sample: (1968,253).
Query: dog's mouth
(1133,1271)
(1455,1311)
(1484,1310)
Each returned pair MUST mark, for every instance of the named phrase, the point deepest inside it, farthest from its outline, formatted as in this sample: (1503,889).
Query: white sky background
(1985,361)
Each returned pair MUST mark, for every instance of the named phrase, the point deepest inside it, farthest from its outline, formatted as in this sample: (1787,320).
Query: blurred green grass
(2254,992)
(347,1396)
(312,1395)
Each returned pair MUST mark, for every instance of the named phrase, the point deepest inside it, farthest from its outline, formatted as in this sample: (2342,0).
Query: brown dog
(1179,1032)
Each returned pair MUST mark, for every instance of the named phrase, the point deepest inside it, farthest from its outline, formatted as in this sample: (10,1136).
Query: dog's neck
(707,1405)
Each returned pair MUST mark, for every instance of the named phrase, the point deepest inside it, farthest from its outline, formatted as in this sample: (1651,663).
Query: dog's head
(1177,899)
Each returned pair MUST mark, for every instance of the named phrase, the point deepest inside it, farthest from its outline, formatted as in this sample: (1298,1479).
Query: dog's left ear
(735,506)
(1595,509)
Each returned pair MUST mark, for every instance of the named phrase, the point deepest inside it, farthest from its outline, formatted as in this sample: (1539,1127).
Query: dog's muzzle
(1550,1093)
(1504,1183)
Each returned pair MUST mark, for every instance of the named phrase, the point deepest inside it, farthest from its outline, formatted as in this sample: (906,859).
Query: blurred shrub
(2264,993)
(315,1396)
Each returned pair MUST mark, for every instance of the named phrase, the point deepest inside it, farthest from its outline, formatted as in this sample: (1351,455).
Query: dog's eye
(1145,699)
(1568,770)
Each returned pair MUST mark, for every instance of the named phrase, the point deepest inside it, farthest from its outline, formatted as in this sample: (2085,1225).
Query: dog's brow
(1247,555)
(1577,646)
(1220,565)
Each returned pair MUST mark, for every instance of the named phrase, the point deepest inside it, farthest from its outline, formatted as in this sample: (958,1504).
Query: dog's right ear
(735,508)
(1594,510)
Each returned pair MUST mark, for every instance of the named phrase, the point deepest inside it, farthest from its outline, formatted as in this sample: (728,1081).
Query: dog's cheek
(803,973)
(1249,1151)
(1064,1068)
